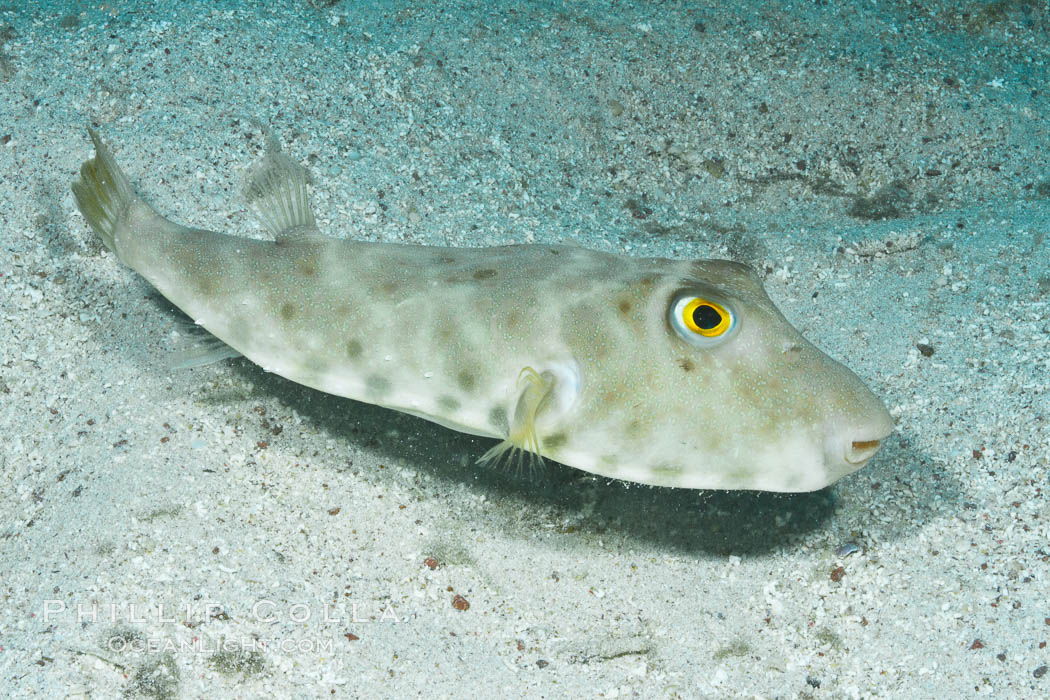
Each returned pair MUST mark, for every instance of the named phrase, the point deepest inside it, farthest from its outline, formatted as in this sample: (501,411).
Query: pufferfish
(667,372)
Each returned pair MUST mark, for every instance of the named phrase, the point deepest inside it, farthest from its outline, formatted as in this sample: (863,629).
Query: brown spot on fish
(445,331)
(686,364)
(353,349)
(554,441)
(498,420)
(448,403)
(306,267)
(633,429)
(484,274)
(287,311)
(378,385)
(390,287)
(467,381)
(624,306)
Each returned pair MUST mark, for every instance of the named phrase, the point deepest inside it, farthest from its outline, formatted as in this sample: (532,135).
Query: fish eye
(701,321)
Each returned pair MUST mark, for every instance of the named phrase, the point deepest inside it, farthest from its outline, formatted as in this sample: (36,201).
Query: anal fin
(206,348)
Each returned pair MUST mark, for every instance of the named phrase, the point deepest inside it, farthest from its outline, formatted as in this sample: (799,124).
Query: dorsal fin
(277,191)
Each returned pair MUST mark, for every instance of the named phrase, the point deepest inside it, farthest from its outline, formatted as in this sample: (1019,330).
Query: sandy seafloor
(222,532)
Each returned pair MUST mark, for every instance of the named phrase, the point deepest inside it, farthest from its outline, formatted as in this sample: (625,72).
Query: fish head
(721,391)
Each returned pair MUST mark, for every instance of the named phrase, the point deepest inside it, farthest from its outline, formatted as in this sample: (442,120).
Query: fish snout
(849,442)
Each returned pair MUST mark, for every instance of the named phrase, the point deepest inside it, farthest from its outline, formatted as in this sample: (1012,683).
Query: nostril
(862,450)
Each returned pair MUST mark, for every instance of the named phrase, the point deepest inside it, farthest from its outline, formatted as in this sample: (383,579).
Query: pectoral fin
(533,389)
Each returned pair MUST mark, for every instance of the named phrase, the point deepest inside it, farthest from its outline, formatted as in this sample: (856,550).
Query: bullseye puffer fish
(666,372)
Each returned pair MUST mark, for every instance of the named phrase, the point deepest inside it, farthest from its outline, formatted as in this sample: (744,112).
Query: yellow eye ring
(705,317)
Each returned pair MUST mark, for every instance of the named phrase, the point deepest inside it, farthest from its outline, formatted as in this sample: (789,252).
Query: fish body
(657,371)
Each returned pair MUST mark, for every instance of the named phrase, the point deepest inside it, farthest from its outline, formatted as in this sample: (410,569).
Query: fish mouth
(860,451)
(848,448)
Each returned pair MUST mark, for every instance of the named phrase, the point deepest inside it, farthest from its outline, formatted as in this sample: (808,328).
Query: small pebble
(847,549)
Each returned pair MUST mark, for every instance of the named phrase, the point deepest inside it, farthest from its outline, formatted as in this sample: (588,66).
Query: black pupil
(706,317)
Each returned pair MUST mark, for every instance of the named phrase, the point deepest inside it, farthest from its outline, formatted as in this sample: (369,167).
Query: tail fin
(103,193)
